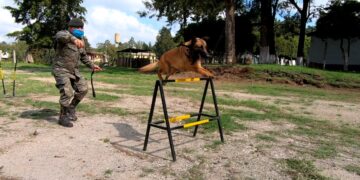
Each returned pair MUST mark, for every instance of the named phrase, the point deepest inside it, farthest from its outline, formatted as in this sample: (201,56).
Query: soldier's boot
(62,110)
(72,109)
(64,119)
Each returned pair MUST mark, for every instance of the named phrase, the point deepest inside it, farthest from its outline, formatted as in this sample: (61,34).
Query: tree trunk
(264,54)
(29,57)
(303,19)
(300,52)
(324,55)
(271,29)
(265,31)
(272,49)
(230,32)
(345,53)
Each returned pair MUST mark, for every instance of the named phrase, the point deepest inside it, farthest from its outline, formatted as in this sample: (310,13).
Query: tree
(244,37)
(163,42)
(341,20)
(107,48)
(230,52)
(181,10)
(263,13)
(131,43)
(289,27)
(19,46)
(87,44)
(42,19)
(305,13)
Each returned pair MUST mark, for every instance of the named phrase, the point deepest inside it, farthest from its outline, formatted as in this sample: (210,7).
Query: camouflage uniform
(71,84)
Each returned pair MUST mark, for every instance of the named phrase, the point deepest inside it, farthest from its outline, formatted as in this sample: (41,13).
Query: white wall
(333,55)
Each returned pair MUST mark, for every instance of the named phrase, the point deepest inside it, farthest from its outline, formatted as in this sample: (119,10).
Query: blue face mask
(78,33)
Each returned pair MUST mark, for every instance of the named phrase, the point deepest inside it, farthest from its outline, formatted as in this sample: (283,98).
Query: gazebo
(134,58)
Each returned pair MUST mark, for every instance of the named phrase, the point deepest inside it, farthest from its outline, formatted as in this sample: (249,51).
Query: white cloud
(7,22)
(320,2)
(128,6)
(103,23)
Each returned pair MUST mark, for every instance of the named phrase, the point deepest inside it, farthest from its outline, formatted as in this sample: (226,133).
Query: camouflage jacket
(66,61)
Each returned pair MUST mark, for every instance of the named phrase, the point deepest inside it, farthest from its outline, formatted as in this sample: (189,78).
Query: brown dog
(186,57)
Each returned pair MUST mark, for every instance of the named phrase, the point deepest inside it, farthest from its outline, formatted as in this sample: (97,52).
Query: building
(97,57)
(134,58)
(4,55)
(326,53)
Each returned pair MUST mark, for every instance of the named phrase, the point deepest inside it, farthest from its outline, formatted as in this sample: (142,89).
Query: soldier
(70,48)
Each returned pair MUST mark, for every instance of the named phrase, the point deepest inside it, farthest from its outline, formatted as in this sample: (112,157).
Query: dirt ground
(111,147)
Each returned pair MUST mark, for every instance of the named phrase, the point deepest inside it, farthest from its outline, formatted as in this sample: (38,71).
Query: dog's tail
(149,67)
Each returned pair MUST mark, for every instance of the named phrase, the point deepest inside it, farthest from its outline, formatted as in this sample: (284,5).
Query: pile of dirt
(236,73)
(233,73)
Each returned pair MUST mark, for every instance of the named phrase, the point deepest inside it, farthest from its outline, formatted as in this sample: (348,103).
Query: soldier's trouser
(71,89)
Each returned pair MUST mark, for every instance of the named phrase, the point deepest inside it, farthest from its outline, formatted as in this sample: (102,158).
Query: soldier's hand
(96,68)
(79,43)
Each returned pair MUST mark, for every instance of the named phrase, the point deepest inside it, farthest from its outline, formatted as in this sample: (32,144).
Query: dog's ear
(193,41)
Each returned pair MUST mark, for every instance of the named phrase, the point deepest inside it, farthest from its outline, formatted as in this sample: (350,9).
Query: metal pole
(217,110)
(14,74)
(167,121)
(151,115)
(201,105)
(2,75)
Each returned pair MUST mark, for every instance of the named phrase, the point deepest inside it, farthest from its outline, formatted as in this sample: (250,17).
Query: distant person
(70,48)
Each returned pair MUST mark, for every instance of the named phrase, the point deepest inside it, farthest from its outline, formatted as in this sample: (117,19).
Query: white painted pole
(14,56)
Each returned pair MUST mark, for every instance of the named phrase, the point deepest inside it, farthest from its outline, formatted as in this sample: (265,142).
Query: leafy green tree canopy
(340,20)
(43,18)
(164,42)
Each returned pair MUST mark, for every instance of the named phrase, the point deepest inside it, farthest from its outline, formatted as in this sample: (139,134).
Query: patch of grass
(335,77)
(105,140)
(348,135)
(265,137)
(310,132)
(308,92)
(108,173)
(302,169)
(214,145)
(303,92)
(116,111)
(188,150)
(87,108)
(94,109)
(147,170)
(195,172)
(3,112)
(228,123)
(283,102)
(106,97)
(244,115)
(307,112)
(353,169)
(42,104)
(325,150)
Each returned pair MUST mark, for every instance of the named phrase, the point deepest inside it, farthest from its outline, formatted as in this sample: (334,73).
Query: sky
(104,19)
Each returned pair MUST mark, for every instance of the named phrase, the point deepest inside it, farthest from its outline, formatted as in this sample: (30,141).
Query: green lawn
(328,139)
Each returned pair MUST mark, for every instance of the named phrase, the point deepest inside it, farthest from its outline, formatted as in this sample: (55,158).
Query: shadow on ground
(132,142)
(41,114)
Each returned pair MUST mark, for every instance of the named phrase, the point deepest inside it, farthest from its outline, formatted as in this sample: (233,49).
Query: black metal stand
(159,86)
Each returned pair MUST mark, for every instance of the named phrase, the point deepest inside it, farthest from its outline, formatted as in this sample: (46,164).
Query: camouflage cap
(76,22)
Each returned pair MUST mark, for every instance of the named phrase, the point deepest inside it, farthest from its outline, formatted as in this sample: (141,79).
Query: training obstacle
(168,120)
